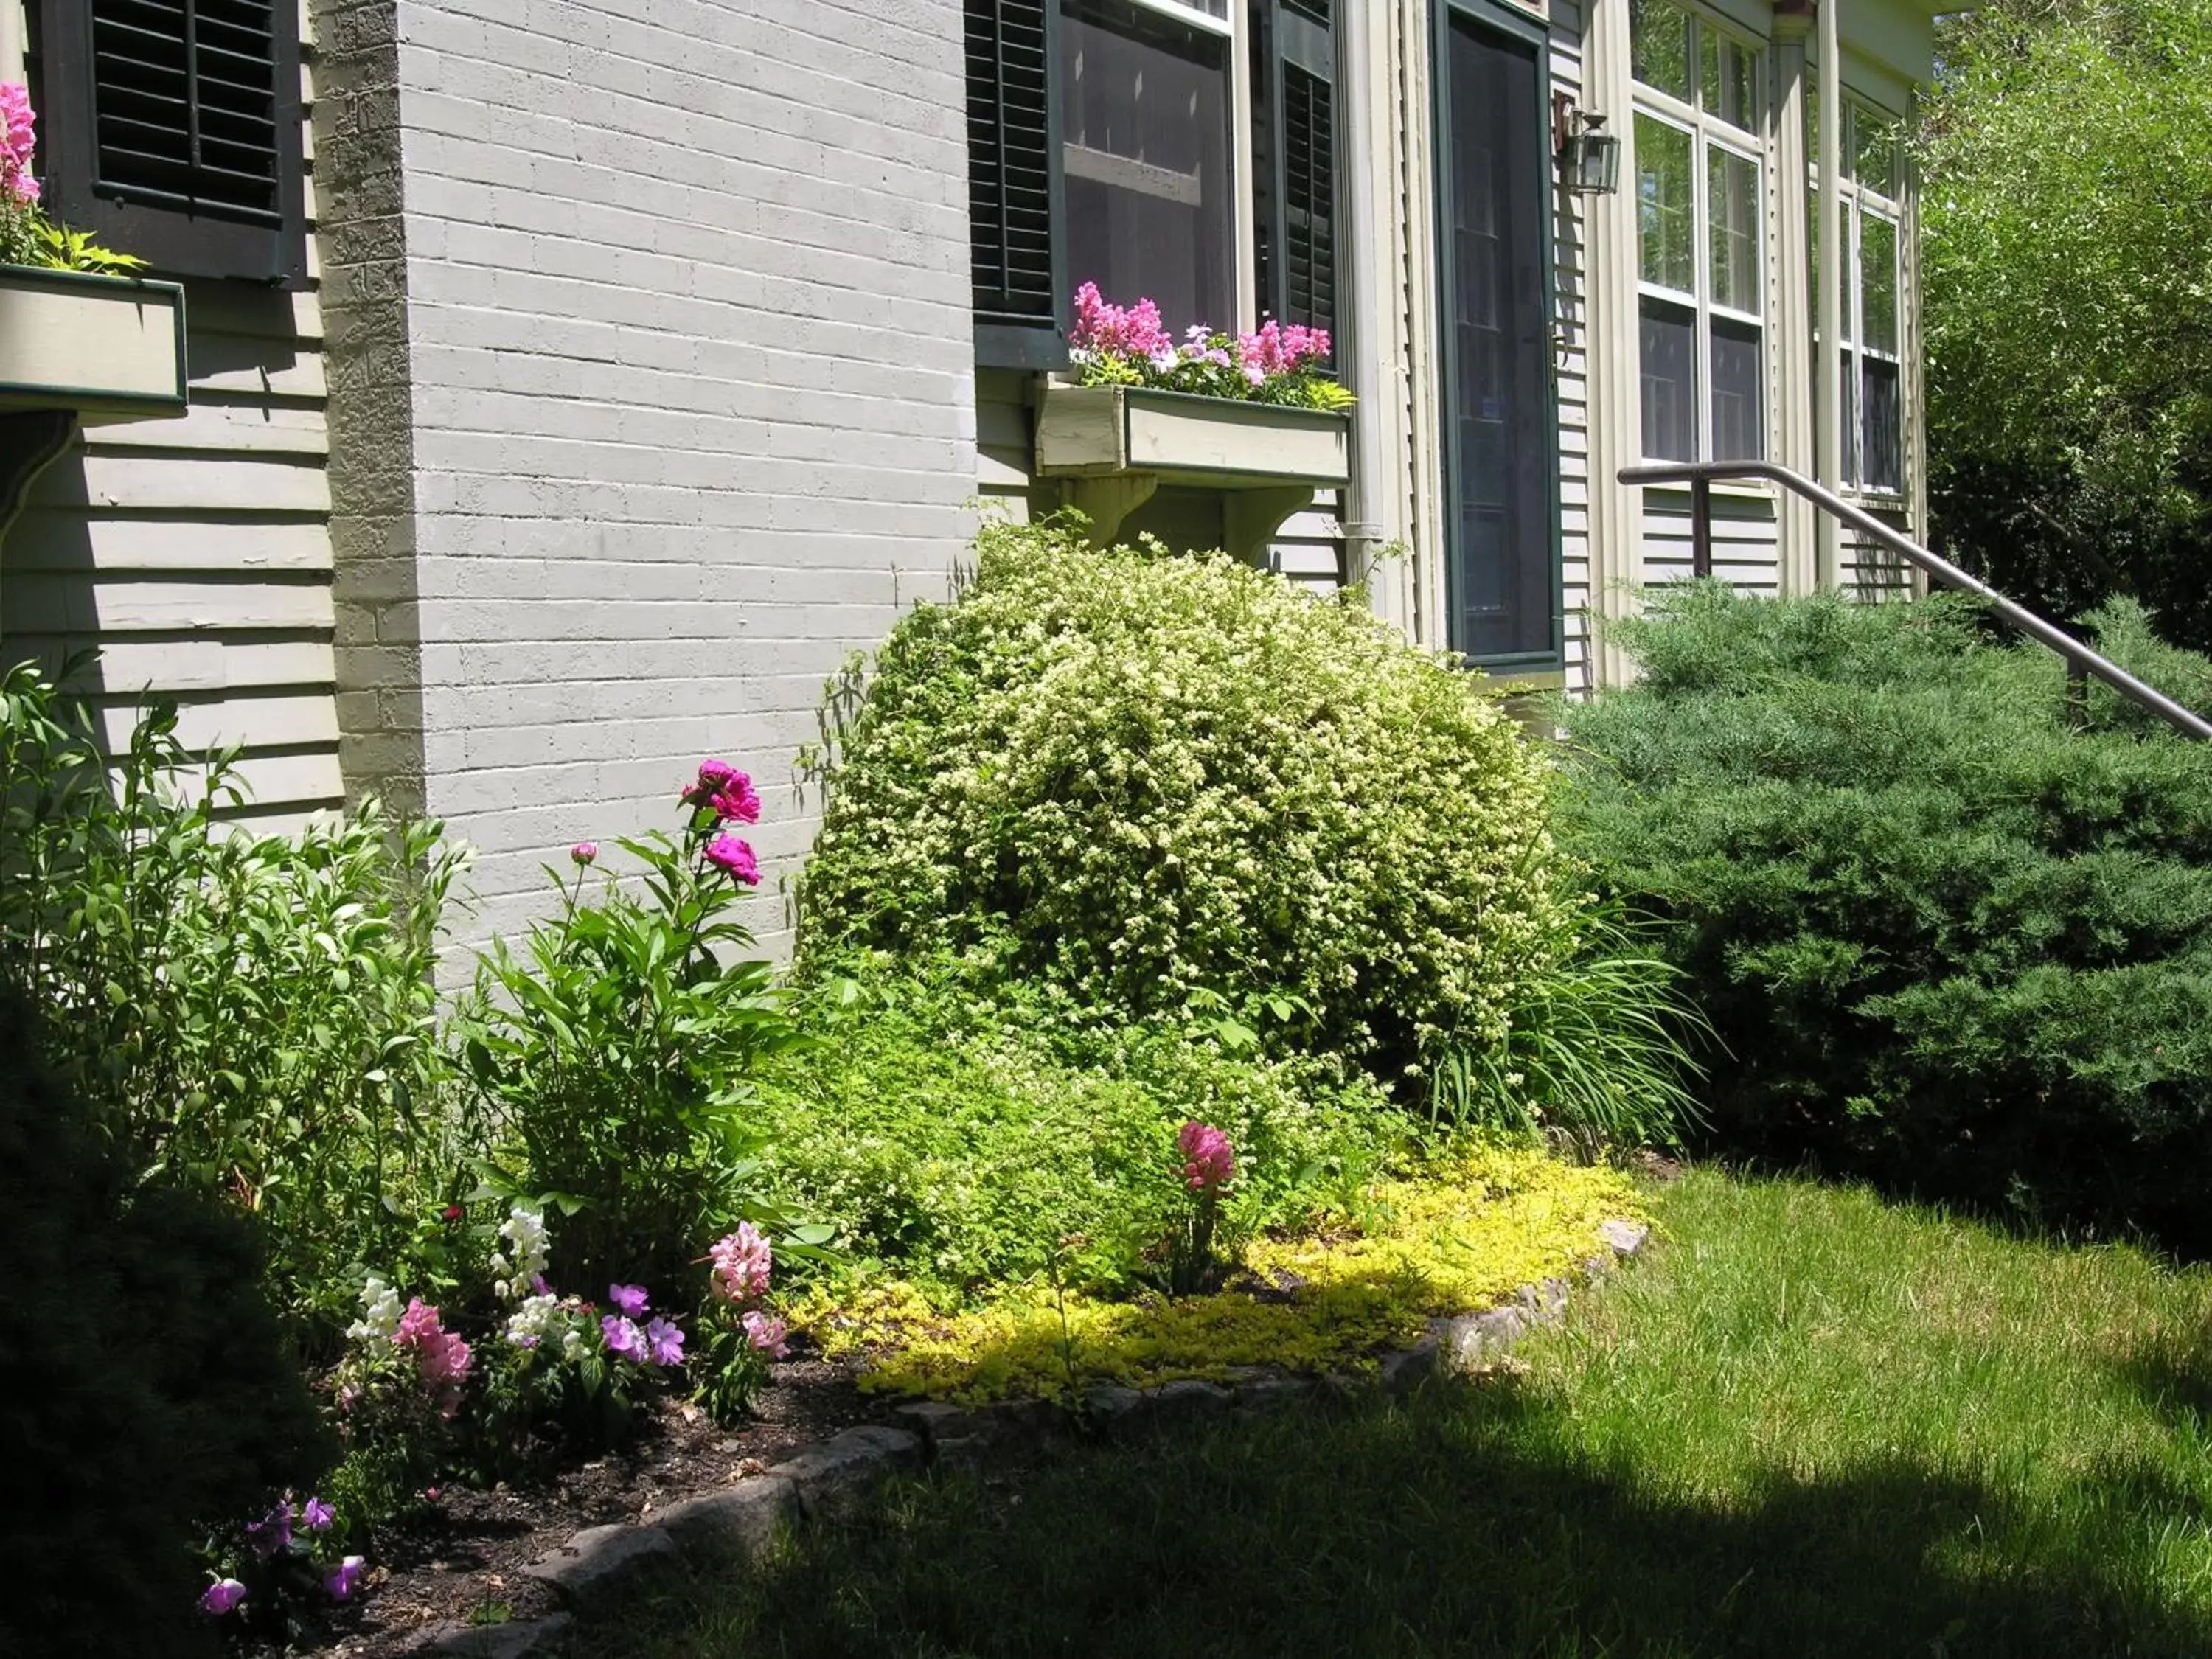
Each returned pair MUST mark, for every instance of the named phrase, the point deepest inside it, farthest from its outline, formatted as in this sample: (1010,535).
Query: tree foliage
(2067,260)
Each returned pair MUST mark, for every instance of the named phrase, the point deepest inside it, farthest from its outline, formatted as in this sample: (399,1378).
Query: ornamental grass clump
(1171,788)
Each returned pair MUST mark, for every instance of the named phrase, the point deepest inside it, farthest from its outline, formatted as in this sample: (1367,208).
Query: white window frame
(1861,202)
(1709,131)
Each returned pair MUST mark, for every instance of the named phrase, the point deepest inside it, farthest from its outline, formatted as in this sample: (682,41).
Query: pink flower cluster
(1135,332)
(742,1261)
(729,794)
(1276,350)
(1209,1161)
(441,1358)
(18,138)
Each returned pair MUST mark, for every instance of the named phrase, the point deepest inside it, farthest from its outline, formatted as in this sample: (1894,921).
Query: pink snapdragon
(18,139)
(1276,351)
(1210,1162)
(742,1262)
(441,1358)
(767,1334)
(1112,331)
(734,856)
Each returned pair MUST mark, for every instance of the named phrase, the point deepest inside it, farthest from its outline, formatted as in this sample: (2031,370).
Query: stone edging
(601,1565)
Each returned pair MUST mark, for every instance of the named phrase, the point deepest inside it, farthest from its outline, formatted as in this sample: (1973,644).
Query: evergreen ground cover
(1812,1423)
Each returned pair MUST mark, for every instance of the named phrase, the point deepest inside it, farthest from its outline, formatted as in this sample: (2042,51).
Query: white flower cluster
(538,1318)
(379,1311)
(526,1256)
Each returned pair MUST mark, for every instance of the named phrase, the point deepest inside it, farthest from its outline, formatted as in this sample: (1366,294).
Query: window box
(102,347)
(1116,445)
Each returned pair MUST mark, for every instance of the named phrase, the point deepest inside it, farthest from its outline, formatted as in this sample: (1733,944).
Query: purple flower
(623,1340)
(221,1596)
(318,1515)
(271,1533)
(340,1580)
(628,1298)
(665,1342)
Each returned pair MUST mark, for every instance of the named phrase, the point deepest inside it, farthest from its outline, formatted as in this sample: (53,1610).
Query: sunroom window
(1701,248)
(1871,385)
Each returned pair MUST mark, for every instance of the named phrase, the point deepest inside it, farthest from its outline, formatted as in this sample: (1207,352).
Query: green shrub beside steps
(1950,942)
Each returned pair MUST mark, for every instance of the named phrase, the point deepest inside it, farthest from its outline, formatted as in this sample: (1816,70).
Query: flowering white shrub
(1158,782)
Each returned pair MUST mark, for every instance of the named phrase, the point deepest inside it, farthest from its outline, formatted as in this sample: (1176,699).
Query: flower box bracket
(1112,448)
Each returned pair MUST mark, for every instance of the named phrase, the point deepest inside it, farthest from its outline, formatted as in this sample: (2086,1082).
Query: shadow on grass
(1462,1522)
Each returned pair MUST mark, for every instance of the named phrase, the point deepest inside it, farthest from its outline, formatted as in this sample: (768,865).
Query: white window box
(101,348)
(1115,445)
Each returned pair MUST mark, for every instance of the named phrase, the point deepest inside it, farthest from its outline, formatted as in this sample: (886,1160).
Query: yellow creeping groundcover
(1452,1236)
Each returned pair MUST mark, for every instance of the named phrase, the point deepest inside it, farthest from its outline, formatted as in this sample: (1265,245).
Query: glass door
(1500,428)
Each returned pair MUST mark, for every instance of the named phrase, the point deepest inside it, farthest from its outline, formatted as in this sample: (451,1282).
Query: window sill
(101,348)
(1115,446)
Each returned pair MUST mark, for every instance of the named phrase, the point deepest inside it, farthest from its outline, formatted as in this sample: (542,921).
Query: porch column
(1791,367)
(1827,392)
(1616,510)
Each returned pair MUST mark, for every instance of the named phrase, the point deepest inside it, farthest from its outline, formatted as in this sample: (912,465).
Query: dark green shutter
(1014,185)
(1296,145)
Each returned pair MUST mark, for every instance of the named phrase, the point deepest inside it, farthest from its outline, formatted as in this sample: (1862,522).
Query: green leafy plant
(1132,778)
(255,1012)
(617,1047)
(1948,941)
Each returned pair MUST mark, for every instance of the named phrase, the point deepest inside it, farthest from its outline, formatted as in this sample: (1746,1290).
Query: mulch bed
(464,1559)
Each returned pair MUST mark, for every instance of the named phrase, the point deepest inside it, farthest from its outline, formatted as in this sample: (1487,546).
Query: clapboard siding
(195,553)
(1570,327)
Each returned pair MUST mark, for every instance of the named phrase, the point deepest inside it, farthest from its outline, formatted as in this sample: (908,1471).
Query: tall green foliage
(1949,940)
(2067,257)
(253,1013)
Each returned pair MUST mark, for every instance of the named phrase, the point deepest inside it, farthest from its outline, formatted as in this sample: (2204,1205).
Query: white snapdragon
(525,1257)
(379,1311)
(538,1318)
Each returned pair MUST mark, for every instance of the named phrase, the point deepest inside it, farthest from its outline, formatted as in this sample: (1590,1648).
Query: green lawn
(1809,1423)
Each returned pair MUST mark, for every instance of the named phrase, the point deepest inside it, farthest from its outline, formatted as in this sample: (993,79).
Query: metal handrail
(2081,660)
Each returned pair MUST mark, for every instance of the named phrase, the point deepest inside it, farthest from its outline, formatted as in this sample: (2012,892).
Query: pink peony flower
(738,801)
(742,1264)
(583,852)
(729,853)
(221,1596)
(767,1334)
(1209,1160)
(623,1340)
(628,1299)
(338,1583)
(665,1342)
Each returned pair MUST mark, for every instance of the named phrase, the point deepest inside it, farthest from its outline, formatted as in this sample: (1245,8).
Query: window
(1871,383)
(1701,264)
(173,130)
(1144,142)
(1101,149)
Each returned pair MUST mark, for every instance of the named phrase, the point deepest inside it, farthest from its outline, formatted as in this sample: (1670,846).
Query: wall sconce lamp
(1589,156)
